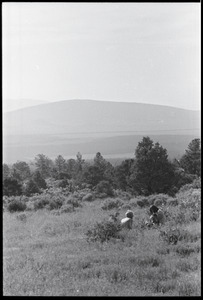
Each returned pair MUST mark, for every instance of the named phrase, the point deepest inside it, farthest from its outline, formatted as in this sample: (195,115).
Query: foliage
(49,199)
(88,197)
(187,208)
(151,171)
(39,180)
(180,179)
(189,198)
(6,171)
(16,205)
(196,184)
(11,187)
(79,163)
(63,183)
(71,167)
(31,188)
(92,175)
(111,203)
(133,202)
(73,200)
(44,165)
(66,208)
(103,232)
(106,169)
(21,170)
(41,202)
(101,170)
(160,200)
(104,187)
(191,160)
(139,262)
(60,164)
(122,194)
(140,203)
(172,202)
(123,173)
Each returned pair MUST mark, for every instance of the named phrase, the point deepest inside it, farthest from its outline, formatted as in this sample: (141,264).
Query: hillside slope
(87,126)
(88,116)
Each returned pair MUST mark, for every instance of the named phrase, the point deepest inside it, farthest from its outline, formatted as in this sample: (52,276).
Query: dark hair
(153,209)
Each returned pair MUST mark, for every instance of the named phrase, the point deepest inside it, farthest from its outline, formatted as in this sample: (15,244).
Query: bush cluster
(16,205)
(88,197)
(110,203)
(104,187)
(104,231)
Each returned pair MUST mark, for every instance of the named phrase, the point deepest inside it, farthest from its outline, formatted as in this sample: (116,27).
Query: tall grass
(47,254)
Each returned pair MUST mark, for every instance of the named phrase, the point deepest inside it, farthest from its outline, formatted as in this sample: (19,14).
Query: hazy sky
(134,52)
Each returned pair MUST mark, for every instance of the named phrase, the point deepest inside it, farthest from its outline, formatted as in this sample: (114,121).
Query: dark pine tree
(151,172)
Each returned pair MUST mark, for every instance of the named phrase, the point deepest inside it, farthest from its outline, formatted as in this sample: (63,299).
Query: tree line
(149,172)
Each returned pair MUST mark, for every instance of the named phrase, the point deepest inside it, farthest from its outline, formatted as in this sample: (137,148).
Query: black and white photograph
(101,149)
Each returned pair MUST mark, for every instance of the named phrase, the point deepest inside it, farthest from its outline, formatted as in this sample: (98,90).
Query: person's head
(129,214)
(153,209)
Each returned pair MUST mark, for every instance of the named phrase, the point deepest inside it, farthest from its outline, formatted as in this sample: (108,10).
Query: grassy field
(47,254)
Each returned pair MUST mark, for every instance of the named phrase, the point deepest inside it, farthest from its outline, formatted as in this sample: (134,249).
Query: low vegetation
(59,239)
(72,249)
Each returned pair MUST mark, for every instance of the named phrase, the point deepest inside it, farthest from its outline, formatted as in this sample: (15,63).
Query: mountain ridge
(92,100)
(76,116)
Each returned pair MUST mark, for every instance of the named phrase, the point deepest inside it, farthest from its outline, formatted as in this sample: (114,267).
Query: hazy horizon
(123,52)
(33,102)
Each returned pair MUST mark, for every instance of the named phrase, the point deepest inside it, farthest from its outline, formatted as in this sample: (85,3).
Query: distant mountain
(87,126)
(88,116)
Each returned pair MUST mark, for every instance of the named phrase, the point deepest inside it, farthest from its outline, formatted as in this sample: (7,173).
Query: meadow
(46,251)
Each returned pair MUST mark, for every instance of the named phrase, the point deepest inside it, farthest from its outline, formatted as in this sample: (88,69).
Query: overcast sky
(134,52)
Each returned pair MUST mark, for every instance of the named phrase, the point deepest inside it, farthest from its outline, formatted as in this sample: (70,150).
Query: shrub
(39,180)
(104,187)
(161,199)
(30,206)
(16,205)
(73,201)
(101,195)
(172,202)
(145,201)
(88,197)
(31,188)
(126,206)
(158,202)
(63,183)
(196,184)
(133,202)
(103,232)
(54,204)
(112,203)
(185,250)
(122,194)
(11,187)
(66,208)
(170,236)
(190,199)
(40,203)
(140,203)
